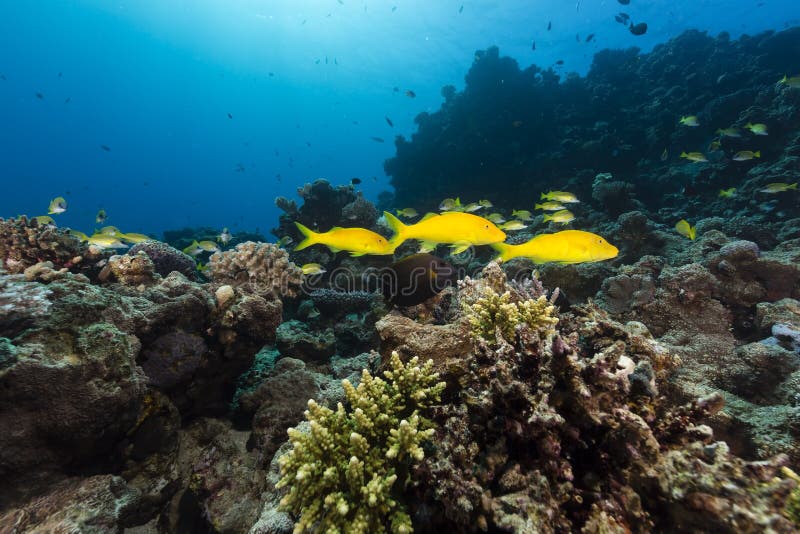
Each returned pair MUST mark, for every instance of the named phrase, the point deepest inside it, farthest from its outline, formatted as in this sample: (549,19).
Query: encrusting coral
(262,268)
(342,473)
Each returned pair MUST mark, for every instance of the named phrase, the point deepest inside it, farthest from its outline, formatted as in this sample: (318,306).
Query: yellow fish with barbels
(690,120)
(727,193)
(564,197)
(57,206)
(567,246)
(561,217)
(757,129)
(460,230)
(778,187)
(549,206)
(793,82)
(685,229)
(356,241)
(697,157)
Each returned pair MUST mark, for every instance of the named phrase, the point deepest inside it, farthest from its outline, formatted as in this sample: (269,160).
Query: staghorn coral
(260,268)
(342,472)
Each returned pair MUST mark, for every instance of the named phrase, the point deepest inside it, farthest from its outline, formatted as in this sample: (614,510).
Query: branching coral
(492,314)
(341,473)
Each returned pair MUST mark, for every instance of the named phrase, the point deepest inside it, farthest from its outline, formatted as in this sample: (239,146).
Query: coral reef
(258,268)
(342,469)
(166,259)
(25,243)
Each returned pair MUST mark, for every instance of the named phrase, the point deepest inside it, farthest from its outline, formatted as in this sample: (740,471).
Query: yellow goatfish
(458,229)
(356,241)
(568,246)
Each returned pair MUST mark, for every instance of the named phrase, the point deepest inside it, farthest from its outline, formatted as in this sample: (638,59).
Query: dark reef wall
(513,130)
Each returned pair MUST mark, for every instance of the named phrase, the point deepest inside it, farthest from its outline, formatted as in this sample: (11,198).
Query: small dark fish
(394,8)
(389,122)
(550,25)
(60,74)
(230,116)
(460,9)
(271,74)
(3,77)
(68,100)
(638,29)
(355,181)
(355,122)
(533,45)
(106,148)
(624,2)
(304,22)
(415,279)
(622,18)
(340,2)
(326,60)
(335,62)
(316,62)
(308,144)
(40,96)
(239,167)
(411,94)
(589,38)
(396,89)
(560,62)
(377,139)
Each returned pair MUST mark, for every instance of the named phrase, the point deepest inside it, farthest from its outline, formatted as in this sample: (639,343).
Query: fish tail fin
(757,153)
(311,237)
(542,196)
(792,186)
(547,217)
(692,232)
(397,226)
(503,251)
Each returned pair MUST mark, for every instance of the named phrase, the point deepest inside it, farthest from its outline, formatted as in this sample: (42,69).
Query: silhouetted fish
(106,148)
(533,45)
(411,94)
(624,2)
(230,116)
(415,279)
(355,181)
(377,139)
(40,96)
(460,9)
(638,29)
(389,122)
(549,25)
(589,38)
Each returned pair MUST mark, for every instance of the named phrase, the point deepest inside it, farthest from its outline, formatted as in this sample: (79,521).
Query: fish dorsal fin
(336,228)
(428,216)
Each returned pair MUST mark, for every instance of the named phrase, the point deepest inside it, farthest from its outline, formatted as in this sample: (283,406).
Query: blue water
(155,80)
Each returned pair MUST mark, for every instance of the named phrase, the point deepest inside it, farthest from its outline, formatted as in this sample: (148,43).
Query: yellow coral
(342,470)
(492,313)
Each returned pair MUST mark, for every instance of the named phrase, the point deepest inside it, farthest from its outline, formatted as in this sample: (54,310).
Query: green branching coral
(492,313)
(342,472)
